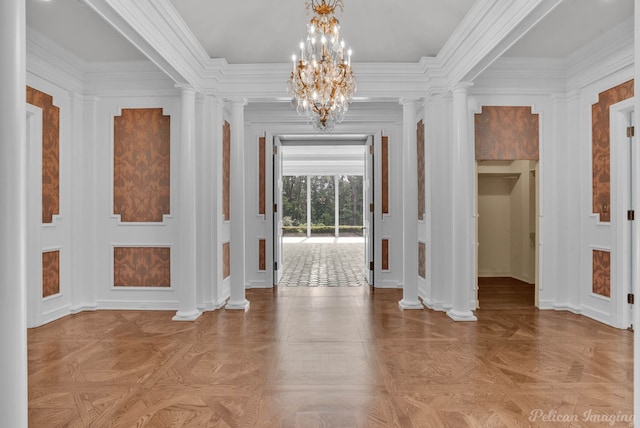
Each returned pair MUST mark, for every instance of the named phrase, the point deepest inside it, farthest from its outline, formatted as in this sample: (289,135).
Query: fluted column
(463,236)
(237,209)
(409,207)
(13,214)
(187,211)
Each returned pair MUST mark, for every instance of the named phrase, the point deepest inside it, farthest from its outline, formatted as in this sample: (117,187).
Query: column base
(241,305)
(404,304)
(461,315)
(187,315)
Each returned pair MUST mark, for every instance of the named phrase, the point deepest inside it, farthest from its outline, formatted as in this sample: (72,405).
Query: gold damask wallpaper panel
(602,273)
(142,267)
(226,260)
(50,273)
(141,165)
(226,170)
(422,259)
(262,175)
(506,133)
(421,171)
(384,152)
(600,147)
(50,152)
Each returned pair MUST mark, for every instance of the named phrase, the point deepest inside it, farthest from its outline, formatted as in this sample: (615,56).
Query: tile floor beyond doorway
(323,262)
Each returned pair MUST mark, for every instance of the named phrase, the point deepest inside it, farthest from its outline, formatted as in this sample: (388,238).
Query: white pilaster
(221,227)
(463,236)
(187,211)
(409,207)
(336,206)
(237,299)
(308,206)
(13,214)
(635,263)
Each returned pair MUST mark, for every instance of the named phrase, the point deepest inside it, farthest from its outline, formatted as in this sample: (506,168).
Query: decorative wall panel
(50,273)
(142,267)
(262,175)
(601,162)
(602,273)
(422,259)
(50,152)
(385,254)
(421,189)
(262,254)
(226,169)
(226,260)
(506,133)
(385,174)
(141,165)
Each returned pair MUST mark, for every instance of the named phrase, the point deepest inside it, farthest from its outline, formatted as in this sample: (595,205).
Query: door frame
(374,138)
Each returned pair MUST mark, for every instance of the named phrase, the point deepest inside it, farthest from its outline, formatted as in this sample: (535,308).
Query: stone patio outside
(323,262)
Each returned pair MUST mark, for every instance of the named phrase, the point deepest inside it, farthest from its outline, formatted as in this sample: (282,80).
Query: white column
(409,207)
(463,236)
(308,206)
(336,206)
(13,214)
(237,209)
(187,211)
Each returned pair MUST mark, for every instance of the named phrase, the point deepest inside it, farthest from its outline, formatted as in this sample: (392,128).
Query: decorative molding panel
(600,147)
(506,133)
(141,165)
(142,267)
(226,170)
(50,273)
(262,175)
(385,254)
(262,254)
(422,259)
(601,273)
(50,152)
(226,260)
(421,172)
(385,174)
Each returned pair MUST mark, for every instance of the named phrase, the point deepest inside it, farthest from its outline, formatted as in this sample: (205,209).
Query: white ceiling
(78,29)
(258,31)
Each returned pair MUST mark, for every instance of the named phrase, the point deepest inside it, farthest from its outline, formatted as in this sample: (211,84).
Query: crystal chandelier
(321,82)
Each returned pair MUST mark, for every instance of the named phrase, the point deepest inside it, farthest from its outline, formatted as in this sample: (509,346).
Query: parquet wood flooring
(328,357)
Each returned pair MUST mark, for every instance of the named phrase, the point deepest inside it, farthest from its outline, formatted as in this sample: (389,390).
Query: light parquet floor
(328,357)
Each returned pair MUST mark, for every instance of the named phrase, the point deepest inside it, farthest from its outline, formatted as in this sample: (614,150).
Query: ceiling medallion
(322,83)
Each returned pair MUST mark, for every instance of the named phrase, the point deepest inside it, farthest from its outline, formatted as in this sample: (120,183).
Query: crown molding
(611,52)
(49,61)
(156,33)
(489,29)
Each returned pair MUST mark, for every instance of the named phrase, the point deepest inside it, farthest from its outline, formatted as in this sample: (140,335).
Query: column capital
(461,86)
(186,88)
(238,101)
(407,101)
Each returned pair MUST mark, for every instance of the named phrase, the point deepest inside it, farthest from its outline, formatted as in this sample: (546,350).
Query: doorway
(506,234)
(320,224)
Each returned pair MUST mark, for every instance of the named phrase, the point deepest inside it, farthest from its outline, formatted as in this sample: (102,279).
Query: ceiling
(258,31)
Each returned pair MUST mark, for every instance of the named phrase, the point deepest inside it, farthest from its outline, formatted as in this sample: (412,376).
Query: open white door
(277,211)
(368,212)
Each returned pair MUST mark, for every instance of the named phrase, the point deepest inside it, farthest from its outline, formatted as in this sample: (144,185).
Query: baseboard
(169,305)
(387,284)
(82,308)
